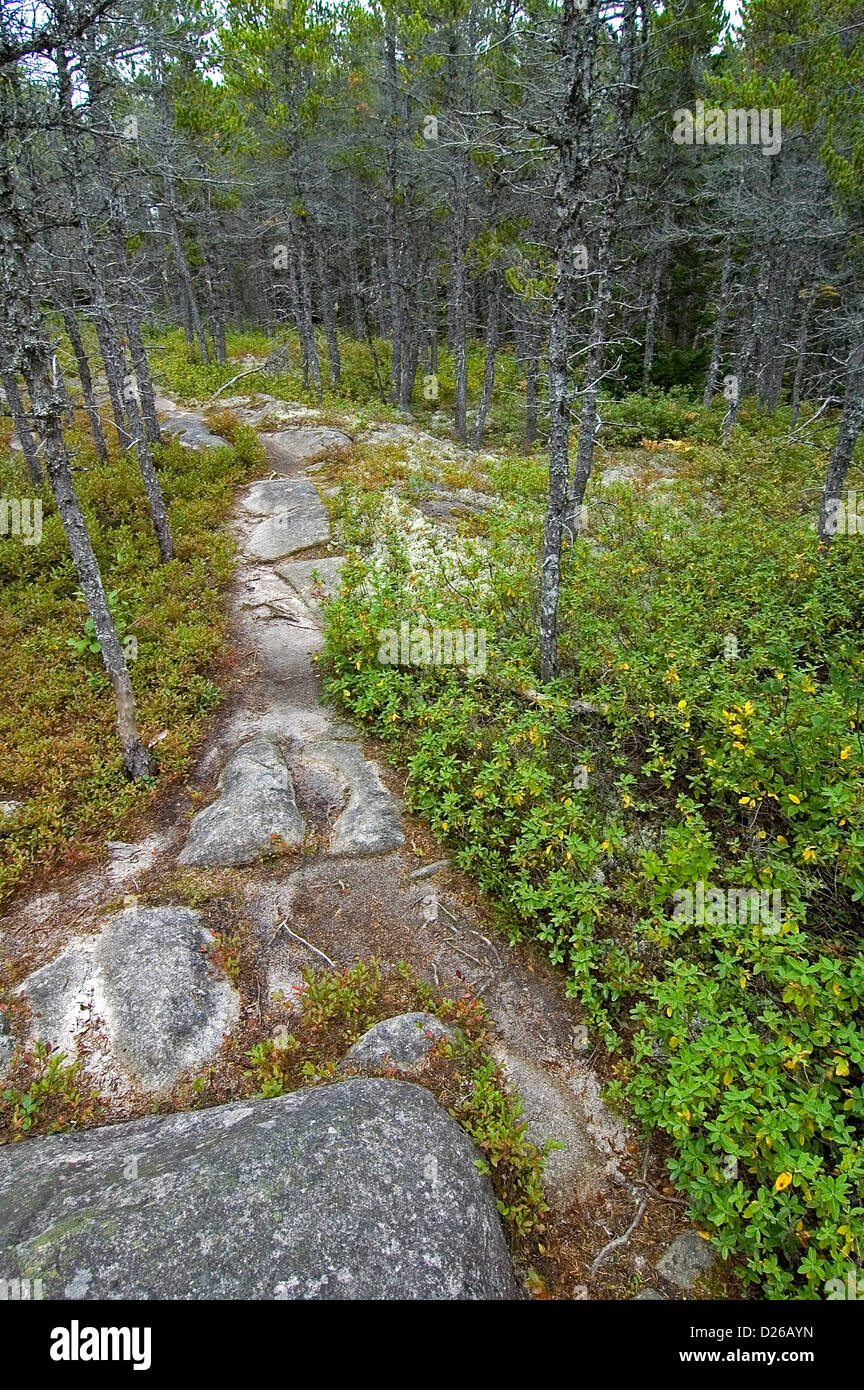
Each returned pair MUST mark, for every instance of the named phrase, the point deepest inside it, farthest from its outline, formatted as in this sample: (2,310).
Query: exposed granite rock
(361,1190)
(255,814)
(400,1044)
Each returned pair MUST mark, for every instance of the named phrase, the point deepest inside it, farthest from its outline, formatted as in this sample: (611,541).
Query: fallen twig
(622,1239)
(427,869)
(238,377)
(283,926)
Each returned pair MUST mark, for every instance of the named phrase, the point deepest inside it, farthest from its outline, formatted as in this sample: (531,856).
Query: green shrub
(720,665)
(57,717)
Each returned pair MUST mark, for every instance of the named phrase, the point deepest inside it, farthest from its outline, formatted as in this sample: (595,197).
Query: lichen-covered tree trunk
(412,328)
(325,299)
(618,161)
(578,43)
(807,305)
(651,316)
(851,425)
(141,368)
(741,375)
(492,326)
(113,376)
(392,247)
(169,211)
(302,294)
(29,447)
(354,286)
(113,354)
(26,349)
(74,335)
(719,326)
(458,305)
(47,411)
(593,373)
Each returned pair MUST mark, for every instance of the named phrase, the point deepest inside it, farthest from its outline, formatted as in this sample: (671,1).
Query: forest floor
(368,881)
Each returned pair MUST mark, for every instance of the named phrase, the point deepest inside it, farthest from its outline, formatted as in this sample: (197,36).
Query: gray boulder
(7,1045)
(299,574)
(256,803)
(370,822)
(361,1190)
(296,520)
(165,1008)
(59,996)
(189,431)
(688,1259)
(147,978)
(291,448)
(401,1044)
(275,495)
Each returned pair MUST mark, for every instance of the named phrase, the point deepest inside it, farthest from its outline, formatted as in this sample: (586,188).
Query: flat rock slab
(370,822)
(552,1111)
(165,1008)
(188,430)
(7,1045)
(294,519)
(60,995)
(255,814)
(146,977)
(275,495)
(361,1190)
(688,1259)
(291,448)
(299,574)
(401,1044)
(462,501)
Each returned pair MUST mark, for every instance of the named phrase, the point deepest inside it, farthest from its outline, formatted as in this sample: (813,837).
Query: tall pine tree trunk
(492,324)
(578,43)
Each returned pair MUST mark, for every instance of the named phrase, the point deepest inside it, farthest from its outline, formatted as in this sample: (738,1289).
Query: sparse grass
(337,1007)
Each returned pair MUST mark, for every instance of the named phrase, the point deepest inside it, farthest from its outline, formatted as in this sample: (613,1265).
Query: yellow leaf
(782,1182)
(796,799)
(727,1078)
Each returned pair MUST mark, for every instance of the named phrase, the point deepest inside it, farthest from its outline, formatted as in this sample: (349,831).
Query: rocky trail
(291,828)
